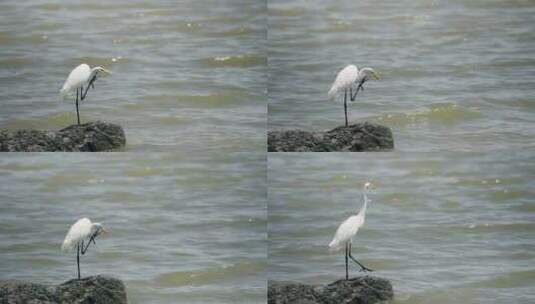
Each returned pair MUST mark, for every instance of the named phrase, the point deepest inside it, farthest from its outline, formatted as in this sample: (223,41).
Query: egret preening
(81,76)
(348,229)
(80,236)
(347,79)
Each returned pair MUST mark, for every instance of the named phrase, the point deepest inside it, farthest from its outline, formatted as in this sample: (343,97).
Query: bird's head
(369,73)
(101,71)
(366,189)
(97,229)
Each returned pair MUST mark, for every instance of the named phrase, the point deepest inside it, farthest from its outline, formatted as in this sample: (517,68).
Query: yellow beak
(376,75)
(105,232)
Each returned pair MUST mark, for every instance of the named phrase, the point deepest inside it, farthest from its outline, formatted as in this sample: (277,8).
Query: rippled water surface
(456,75)
(448,228)
(183,229)
(187,75)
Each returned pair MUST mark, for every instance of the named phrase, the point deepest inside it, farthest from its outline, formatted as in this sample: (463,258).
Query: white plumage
(80,236)
(344,80)
(81,230)
(349,228)
(348,79)
(351,77)
(80,76)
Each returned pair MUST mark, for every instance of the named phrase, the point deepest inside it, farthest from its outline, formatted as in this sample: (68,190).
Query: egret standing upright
(348,229)
(81,76)
(82,230)
(346,79)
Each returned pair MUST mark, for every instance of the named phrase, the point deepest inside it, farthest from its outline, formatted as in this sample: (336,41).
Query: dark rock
(361,290)
(354,138)
(94,290)
(88,137)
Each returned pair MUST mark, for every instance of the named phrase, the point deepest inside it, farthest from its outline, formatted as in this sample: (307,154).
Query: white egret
(349,77)
(80,232)
(348,229)
(81,76)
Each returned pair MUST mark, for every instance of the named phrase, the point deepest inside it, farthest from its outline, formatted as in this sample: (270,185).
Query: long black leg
(92,239)
(359,87)
(84,250)
(345,105)
(77,111)
(78,258)
(90,84)
(363,268)
(351,97)
(347,268)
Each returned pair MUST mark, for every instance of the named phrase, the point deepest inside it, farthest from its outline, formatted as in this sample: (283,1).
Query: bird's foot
(365,269)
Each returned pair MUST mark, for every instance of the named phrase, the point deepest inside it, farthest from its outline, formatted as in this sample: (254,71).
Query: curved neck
(365,204)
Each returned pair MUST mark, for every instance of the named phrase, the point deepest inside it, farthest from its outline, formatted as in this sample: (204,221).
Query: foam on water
(236,61)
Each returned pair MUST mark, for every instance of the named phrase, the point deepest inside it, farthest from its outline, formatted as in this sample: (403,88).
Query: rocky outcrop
(353,138)
(88,137)
(361,290)
(94,290)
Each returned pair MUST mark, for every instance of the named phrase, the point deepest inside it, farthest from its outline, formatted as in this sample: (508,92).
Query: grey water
(444,228)
(455,75)
(187,75)
(183,229)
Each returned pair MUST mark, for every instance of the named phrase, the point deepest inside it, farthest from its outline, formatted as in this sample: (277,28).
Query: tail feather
(67,245)
(332,92)
(334,245)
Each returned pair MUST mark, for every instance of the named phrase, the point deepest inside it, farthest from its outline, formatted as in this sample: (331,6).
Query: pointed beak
(107,71)
(105,232)
(376,75)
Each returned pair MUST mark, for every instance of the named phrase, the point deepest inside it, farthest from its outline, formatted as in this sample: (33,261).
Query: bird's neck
(365,204)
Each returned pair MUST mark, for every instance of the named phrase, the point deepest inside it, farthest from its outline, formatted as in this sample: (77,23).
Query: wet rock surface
(358,137)
(361,290)
(89,137)
(94,290)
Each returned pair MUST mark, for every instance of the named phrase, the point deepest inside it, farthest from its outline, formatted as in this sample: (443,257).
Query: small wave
(447,113)
(104,62)
(211,275)
(337,26)
(188,26)
(215,99)
(238,61)
(5,37)
(18,167)
(60,181)
(174,120)
(239,31)
(50,6)
(111,6)
(509,194)
(143,172)
(485,182)
(34,38)
(121,197)
(494,227)
(287,12)
(509,280)
(15,62)
(50,122)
